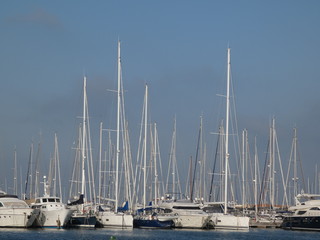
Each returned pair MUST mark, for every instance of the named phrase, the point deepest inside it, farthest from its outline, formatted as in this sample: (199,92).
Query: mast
(174,158)
(83,154)
(255,179)
(155,166)
(273,162)
(118,129)
(243,157)
(100,163)
(227,136)
(295,175)
(15,175)
(54,164)
(145,149)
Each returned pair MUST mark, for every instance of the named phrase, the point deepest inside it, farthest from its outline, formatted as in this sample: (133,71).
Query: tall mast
(54,165)
(272,168)
(227,136)
(174,158)
(84,120)
(118,128)
(155,166)
(145,149)
(255,179)
(243,157)
(295,177)
(100,162)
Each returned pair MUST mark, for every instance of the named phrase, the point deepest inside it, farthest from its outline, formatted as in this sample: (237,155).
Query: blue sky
(177,47)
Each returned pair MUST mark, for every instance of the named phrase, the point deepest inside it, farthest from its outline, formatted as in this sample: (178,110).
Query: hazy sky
(179,48)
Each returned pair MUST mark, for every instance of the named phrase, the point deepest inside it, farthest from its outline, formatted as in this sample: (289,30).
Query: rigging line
(195,166)
(262,186)
(214,165)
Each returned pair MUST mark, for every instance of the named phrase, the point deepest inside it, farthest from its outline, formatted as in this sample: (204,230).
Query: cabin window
(301,212)
(44,200)
(187,207)
(37,200)
(51,200)
(314,208)
(57,200)
(1,205)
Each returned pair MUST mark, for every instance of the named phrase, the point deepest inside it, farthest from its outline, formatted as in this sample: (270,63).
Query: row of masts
(197,178)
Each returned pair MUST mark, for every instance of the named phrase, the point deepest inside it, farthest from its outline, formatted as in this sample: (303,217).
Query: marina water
(141,234)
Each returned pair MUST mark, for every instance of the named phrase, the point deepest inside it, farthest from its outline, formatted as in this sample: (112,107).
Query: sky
(179,48)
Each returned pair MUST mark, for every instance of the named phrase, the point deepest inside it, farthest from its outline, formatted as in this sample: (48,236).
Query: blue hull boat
(151,223)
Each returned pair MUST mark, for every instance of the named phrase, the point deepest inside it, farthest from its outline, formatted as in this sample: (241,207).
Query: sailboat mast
(15,175)
(118,129)
(174,160)
(145,149)
(272,167)
(155,167)
(255,179)
(227,135)
(100,162)
(295,175)
(84,134)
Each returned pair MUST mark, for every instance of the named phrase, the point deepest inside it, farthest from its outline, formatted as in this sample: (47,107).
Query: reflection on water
(153,234)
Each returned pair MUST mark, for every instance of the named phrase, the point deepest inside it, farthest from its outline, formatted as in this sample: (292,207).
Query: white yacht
(221,220)
(50,211)
(189,214)
(306,213)
(305,200)
(229,222)
(14,212)
(109,218)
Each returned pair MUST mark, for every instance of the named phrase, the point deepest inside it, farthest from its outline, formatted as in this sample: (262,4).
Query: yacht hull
(115,220)
(53,218)
(306,223)
(230,222)
(82,221)
(16,218)
(191,221)
(151,223)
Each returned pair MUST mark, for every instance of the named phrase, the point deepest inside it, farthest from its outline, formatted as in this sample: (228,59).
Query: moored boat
(51,212)
(149,218)
(15,212)
(306,215)
(188,214)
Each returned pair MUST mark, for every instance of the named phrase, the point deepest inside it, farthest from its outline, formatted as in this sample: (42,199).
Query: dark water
(106,234)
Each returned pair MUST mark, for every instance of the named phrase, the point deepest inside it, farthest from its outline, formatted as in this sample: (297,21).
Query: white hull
(230,222)
(51,212)
(111,219)
(14,212)
(53,218)
(16,217)
(189,214)
(191,221)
